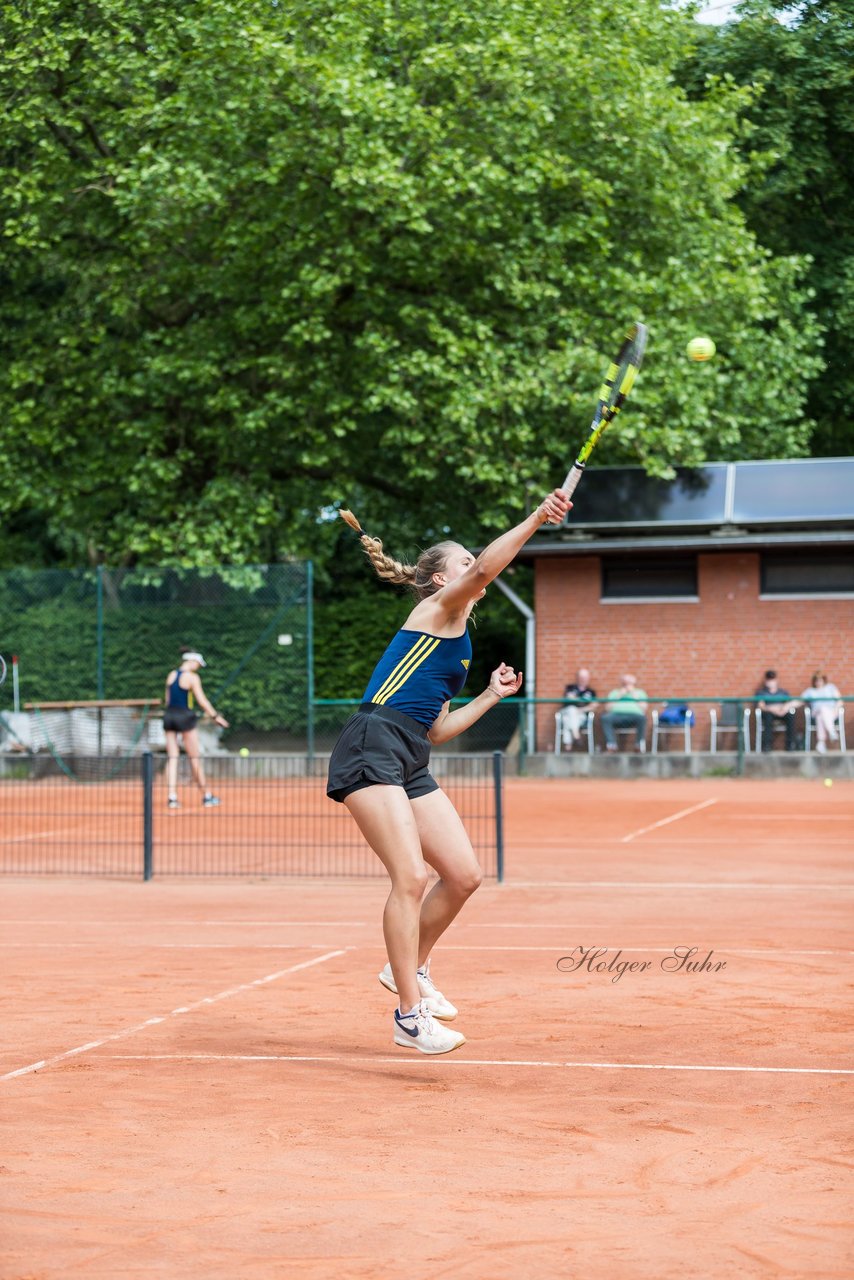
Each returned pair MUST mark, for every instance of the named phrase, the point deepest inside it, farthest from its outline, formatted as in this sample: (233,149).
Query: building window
(649,578)
(813,573)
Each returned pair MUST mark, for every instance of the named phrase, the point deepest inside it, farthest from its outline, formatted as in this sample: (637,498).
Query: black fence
(98,815)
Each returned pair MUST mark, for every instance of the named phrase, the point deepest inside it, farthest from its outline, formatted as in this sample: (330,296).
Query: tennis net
(273,818)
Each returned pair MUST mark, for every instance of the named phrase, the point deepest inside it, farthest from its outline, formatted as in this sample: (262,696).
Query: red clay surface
(220,1097)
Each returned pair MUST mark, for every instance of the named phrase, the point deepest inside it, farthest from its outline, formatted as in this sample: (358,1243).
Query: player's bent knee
(465,882)
(411,883)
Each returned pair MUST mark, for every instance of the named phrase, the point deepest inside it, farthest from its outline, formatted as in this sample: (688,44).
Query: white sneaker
(417,1030)
(436,1002)
(821,748)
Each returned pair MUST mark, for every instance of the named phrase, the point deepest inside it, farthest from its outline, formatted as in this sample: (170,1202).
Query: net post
(520,725)
(99,596)
(309,627)
(497,772)
(147,815)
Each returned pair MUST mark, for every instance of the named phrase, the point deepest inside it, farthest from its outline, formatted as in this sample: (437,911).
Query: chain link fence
(104,633)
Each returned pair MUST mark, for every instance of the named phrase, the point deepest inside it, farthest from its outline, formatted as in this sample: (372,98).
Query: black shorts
(179,719)
(380,745)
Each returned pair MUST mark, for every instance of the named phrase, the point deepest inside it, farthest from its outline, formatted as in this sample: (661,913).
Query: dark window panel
(628,496)
(635,577)
(807,574)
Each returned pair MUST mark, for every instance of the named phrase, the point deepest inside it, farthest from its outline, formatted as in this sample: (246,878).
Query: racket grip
(570,484)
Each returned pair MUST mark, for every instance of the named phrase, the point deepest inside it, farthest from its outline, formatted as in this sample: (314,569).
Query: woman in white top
(824,703)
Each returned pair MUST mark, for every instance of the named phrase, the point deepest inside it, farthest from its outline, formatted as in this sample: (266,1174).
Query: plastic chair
(779,726)
(587,728)
(631,732)
(729,724)
(663,727)
(809,722)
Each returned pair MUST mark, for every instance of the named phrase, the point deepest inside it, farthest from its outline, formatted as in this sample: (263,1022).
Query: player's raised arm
(455,595)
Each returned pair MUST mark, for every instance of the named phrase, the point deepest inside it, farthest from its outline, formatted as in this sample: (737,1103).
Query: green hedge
(52,626)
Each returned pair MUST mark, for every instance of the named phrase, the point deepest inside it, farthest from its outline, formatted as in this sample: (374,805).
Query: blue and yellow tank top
(419,672)
(179,697)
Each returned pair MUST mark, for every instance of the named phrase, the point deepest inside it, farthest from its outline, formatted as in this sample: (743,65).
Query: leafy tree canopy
(258,258)
(799,144)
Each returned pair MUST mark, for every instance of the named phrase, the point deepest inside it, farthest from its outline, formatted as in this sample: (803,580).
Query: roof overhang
(729,540)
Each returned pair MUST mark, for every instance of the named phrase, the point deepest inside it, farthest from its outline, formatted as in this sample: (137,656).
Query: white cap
(194,657)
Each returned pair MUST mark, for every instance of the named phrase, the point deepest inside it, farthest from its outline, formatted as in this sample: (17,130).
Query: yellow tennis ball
(701,349)
(244,751)
(828,782)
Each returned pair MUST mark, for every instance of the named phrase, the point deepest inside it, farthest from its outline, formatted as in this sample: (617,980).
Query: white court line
(674,817)
(272,924)
(34,835)
(671,884)
(469,1062)
(151,1022)
(177,946)
(638,949)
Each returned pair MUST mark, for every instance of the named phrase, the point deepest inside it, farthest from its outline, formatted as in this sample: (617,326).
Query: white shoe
(435,1001)
(417,1030)
(821,748)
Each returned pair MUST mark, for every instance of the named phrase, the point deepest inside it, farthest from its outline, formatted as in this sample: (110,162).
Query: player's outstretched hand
(553,508)
(504,681)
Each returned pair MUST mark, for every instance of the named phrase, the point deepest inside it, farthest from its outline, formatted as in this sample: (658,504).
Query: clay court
(199,1078)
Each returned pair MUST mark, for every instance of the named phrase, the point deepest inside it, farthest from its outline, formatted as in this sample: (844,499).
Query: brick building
(699,584)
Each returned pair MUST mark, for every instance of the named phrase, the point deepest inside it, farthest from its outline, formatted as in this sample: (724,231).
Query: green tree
(799,144)
(259,258)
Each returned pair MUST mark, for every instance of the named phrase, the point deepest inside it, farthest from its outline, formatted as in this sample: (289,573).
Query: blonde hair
(417,577)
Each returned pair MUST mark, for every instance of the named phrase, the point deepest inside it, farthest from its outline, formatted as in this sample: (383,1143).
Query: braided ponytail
(418,577)
(390,570)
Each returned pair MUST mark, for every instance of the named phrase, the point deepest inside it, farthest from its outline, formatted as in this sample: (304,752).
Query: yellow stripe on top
(419,644)
(422,649)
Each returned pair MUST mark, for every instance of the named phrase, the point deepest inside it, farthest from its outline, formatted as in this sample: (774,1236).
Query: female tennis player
(183,690)
(379,767)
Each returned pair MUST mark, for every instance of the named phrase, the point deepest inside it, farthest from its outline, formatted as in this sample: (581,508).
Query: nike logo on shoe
(403,1027)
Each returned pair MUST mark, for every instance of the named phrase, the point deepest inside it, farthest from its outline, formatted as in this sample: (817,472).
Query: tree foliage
(259,258)
(799,143)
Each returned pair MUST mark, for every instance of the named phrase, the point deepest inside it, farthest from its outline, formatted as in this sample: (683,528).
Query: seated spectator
(625,709)
(580,699)
(823,700)
(776,705)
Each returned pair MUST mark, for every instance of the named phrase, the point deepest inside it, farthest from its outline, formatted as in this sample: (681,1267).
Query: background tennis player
(183,692)
(379,767)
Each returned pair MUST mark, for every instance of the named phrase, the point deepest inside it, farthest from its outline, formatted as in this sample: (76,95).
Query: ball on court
(828,782)
(244,751)
(701,349)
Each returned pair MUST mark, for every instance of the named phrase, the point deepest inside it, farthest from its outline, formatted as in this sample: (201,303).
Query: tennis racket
(2,669)
(618,383)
